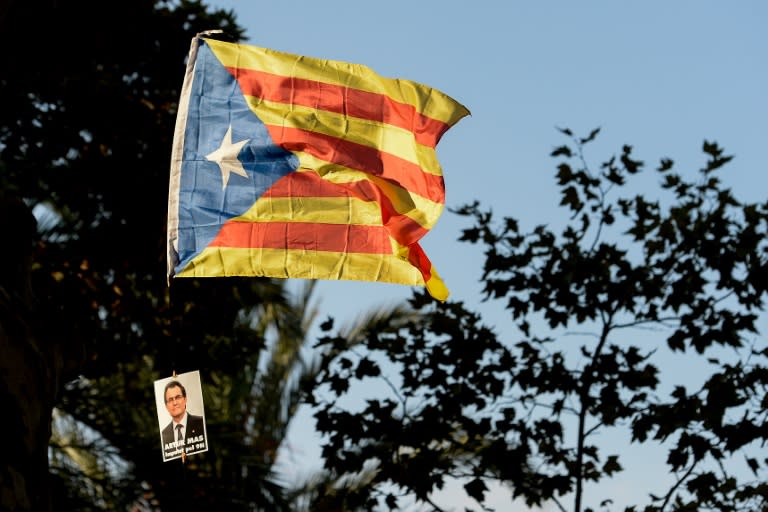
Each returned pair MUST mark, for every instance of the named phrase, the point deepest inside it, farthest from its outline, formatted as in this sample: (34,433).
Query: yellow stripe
(380,136)
(321,210)
(430,102)
(436,287)
(410,204)
(280,263)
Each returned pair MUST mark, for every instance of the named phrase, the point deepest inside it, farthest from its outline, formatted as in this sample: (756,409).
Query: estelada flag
(294,167)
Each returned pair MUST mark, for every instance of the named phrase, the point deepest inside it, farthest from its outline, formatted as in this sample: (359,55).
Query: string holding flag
(289,166)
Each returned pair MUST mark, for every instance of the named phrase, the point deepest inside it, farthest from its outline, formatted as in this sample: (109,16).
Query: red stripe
(363,158)
(304,236)
(342,100)
(418,259)
(306,184)
(403,229)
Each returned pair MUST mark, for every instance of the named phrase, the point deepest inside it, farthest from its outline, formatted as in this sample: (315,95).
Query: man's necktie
(178,433)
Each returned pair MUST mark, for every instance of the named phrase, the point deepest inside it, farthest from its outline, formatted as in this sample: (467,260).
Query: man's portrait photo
(181,416)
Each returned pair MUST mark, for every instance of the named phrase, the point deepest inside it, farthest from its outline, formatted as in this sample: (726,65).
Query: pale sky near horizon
(662,76)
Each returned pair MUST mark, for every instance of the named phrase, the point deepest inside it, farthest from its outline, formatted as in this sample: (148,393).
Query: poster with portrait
(181,415)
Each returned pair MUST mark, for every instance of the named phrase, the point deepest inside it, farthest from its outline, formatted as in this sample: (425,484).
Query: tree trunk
(31,369)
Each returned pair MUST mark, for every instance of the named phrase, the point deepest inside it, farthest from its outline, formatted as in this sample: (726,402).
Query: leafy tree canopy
(468,404)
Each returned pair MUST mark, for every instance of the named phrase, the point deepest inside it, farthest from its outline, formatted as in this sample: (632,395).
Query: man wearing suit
(186,432)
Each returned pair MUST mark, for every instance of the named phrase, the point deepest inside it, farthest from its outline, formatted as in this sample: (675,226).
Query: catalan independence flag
(293,167)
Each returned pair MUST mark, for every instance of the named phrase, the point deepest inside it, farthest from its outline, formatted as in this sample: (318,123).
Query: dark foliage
(687,263)
(88,112)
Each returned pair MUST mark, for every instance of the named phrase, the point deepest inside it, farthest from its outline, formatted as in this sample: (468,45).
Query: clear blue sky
(662,76)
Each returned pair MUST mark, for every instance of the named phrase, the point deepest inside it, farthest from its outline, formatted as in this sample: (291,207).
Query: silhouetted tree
(85,138)
(688,263)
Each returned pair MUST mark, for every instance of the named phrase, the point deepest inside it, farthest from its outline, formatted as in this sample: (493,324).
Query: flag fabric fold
(294,167)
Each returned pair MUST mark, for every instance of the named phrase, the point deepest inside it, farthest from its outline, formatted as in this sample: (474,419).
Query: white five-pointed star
(226,156)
